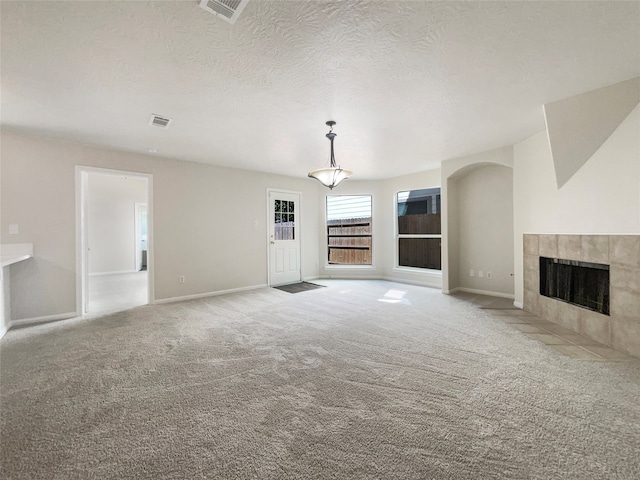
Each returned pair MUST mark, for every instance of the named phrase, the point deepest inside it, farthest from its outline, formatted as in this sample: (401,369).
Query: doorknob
(272,242)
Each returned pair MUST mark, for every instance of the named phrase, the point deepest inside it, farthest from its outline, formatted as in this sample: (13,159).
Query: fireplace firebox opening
(580,283)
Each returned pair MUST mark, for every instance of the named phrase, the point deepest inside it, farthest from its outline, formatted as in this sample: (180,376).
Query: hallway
(108,293)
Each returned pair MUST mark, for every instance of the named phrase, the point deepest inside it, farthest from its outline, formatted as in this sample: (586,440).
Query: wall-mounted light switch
(255,224)
(480,273)
(472,273)
(14,229)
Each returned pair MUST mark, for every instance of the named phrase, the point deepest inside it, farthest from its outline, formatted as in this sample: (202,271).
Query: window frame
(328,265)
(398,235)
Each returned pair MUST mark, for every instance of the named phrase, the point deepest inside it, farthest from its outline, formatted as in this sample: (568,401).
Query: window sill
(415,270)
(349,267)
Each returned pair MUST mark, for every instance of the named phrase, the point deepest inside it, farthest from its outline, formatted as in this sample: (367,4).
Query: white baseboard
(482,292)
(3,330)
(43,319)
(121,272)
(518,304)
(208,294)
(313,277)
(351,276)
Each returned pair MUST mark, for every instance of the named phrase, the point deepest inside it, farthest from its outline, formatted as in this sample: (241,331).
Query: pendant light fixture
(331,177)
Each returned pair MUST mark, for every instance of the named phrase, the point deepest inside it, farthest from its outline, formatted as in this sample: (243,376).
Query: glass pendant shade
(332,176)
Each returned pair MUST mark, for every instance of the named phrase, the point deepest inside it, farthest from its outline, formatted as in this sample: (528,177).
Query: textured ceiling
(410,83)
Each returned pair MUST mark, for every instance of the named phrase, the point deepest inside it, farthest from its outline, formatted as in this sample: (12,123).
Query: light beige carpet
(358,380)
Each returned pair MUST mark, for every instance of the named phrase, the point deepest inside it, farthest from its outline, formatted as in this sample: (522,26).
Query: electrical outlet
(480,273)
(181,279)
(488,274)
(472,273)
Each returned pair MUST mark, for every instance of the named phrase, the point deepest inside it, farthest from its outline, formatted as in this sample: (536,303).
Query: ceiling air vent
(228,10)
(158,121)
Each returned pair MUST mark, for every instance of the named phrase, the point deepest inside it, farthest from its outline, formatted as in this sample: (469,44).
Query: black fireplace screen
(579,283)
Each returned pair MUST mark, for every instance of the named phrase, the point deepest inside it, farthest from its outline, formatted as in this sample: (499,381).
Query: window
(285,223)
(349,229)
(419,232)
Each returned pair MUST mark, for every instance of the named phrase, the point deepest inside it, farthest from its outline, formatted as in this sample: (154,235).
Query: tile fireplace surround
(620,330)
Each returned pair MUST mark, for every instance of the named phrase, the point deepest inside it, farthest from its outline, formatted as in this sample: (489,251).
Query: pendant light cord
(331,136)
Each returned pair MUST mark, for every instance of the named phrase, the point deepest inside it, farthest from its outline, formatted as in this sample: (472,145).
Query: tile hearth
(556,337)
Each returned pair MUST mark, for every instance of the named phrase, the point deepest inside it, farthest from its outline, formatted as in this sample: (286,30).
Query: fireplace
(583,284)
(587,283)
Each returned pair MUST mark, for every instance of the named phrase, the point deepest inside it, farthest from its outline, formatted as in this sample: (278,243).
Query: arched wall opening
(479,238)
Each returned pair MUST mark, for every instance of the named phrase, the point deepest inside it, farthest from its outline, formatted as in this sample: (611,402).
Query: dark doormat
(298,287)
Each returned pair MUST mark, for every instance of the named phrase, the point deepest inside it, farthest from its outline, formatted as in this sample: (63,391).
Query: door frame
(138,206)
(268,229)
(82,232)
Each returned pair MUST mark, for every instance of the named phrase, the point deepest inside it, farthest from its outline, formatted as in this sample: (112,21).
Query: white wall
(483,197)
(451,171)
(203,222)
(602,197)
(111,203)
(204,214)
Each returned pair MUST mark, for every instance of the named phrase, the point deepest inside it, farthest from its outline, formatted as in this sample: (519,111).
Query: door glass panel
(289,226)
(284,220)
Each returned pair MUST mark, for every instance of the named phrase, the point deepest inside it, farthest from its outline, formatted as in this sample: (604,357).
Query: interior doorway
(114,259)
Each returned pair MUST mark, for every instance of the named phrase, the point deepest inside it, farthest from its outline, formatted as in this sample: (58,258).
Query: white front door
(284,238)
